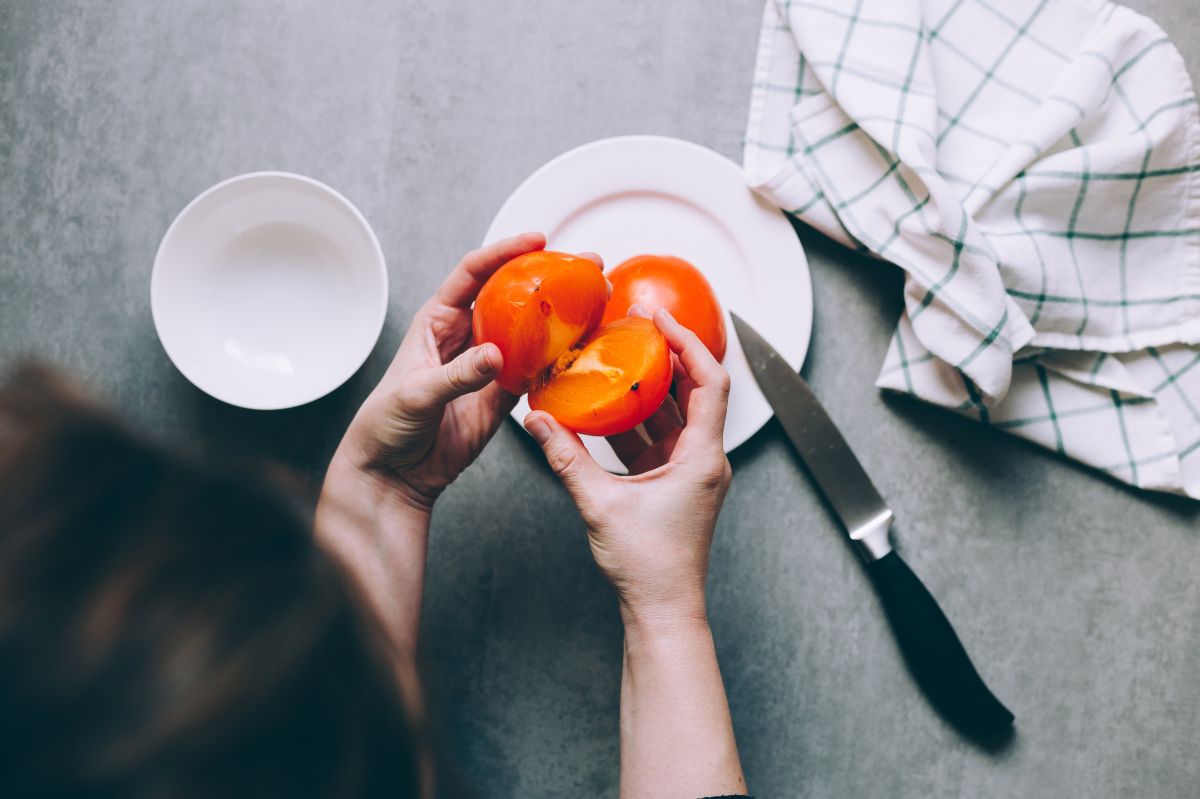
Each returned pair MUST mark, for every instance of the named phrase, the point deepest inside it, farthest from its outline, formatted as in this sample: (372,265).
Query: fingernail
(538,429)
(637,310)
(483,363)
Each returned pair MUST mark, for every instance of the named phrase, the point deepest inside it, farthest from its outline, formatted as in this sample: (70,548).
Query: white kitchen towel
(1032,165)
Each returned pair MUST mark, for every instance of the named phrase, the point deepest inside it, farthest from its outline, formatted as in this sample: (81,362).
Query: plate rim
(379,262)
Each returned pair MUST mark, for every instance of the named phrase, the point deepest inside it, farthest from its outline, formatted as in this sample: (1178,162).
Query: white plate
(634,195)
(269,290)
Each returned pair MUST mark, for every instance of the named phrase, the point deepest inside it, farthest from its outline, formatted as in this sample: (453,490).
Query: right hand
(650,532)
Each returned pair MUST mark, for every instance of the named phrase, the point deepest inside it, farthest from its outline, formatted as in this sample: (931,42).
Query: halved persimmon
(536,307)
(544,310)
(612,383)
(664,281)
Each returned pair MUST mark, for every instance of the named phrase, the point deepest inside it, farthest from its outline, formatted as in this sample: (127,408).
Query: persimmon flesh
(544,311)
(536,307)
(618,378)
(664,281)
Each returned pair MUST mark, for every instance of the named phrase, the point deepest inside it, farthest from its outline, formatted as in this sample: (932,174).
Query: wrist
(381,540)
(356,488)
(681,616)
(667,643)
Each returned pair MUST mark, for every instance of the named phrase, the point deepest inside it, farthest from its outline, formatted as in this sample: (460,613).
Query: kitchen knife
(929,644)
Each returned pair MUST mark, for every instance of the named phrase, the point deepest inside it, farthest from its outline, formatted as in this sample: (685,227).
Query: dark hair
(171,630)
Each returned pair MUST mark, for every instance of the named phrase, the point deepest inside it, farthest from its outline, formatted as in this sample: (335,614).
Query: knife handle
(934,654)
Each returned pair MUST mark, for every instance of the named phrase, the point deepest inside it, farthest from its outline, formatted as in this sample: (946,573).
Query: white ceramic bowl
(269,290)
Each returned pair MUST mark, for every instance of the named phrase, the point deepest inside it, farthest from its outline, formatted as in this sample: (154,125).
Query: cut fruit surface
(544,310)
(618,379)
(536,307)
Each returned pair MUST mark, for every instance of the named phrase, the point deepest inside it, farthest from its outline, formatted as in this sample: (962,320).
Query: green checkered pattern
(1032,166)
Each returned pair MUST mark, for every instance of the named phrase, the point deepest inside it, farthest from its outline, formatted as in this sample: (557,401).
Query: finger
(682,388)
(683,395)
(628,446)
(708,398)
(470,371)
(593,257)
(681,384)
(466,279)
(565,453)
(448,330)
(483,412)
(665,420)
(637,309)
(656,454)
(497,403)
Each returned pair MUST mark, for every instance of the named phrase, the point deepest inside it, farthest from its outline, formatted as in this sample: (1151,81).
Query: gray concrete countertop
(1078,598)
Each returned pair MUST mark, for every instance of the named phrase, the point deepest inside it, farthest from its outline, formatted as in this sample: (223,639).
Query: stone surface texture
(1078,598)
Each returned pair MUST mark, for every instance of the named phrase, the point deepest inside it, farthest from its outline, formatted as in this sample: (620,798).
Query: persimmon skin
(543,310)
(664,281)
(536,307)
(620,377)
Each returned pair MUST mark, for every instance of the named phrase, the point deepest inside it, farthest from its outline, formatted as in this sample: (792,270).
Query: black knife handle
(934,654)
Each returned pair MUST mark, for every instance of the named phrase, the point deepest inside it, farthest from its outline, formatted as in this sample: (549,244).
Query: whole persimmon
(664,281)
(544,310)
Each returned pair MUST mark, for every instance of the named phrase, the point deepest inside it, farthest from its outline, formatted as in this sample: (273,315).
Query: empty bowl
(269,290)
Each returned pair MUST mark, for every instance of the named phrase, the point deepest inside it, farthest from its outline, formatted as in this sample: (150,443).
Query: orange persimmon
(613,383)
(544,311)
(663,281)
(536,307)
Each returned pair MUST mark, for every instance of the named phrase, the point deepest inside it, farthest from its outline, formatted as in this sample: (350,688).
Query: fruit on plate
(664,281)
(544,310)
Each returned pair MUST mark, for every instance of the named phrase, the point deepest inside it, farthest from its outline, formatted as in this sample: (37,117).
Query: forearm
(382,541)
(676,733)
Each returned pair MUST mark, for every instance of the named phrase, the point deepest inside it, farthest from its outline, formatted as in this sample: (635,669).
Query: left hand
(436,407)
(427,420)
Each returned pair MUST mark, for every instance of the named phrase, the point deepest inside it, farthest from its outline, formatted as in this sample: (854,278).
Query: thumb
(470,371)
(565,453)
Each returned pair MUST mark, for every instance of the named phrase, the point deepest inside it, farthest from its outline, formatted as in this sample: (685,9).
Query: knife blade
(931,649)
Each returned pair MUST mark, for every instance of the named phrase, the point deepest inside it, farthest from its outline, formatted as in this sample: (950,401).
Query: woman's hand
(650,532)
(436,407)
(426,421)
